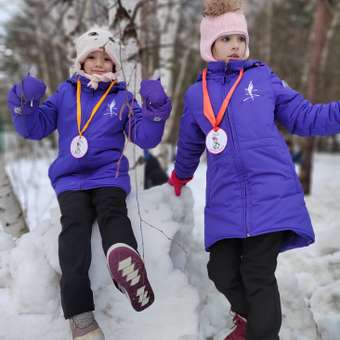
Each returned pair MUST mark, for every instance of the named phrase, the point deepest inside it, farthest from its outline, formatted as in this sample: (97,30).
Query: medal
(79,147)
(216,141)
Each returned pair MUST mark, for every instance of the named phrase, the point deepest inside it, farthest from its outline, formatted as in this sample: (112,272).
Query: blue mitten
(153,93)
(24,96)
(156,103)
(30,89)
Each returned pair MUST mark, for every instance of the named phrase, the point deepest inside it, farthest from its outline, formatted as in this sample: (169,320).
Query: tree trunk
(322,21)
(150,39)
(267,39)
(328,143)
(11,216)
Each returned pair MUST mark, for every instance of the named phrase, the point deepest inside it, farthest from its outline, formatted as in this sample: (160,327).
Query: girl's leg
(224,270)
(114,223)
(120,247)
(77,217)
(258,267)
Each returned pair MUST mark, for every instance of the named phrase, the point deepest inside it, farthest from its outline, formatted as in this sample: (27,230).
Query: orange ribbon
(207,107)
(95,109)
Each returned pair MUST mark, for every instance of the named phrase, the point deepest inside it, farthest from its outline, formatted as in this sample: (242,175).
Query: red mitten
(177,183)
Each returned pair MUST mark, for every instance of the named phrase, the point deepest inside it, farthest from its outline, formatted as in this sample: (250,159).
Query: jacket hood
(102,86)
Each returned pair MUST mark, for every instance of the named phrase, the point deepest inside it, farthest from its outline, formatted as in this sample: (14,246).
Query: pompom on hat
(94,39)
(221,18)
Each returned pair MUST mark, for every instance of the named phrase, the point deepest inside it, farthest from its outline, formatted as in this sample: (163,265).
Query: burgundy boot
(129,274)
(239,330)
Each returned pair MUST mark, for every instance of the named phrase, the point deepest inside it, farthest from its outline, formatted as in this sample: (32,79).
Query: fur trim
(215,8)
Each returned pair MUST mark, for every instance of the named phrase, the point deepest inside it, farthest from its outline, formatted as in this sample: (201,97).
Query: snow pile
(187,305)
(29,278)
(317,268)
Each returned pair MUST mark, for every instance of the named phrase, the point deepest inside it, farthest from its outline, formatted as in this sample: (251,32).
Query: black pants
(79,209)
(244,271)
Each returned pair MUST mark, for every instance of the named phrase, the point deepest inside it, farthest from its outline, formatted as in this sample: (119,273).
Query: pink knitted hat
(221,17)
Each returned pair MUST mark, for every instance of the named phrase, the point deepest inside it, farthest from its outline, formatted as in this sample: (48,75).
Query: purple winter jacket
(104,164)
(252,187)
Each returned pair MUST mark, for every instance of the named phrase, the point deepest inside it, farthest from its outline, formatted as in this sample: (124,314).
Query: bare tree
(327,78)
(11,216)
(322,22)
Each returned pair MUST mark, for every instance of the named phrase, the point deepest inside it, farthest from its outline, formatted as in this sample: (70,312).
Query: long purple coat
(252,187)
(104,164)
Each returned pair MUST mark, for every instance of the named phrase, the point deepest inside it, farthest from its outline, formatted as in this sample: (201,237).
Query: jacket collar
(217,69)
(102,86)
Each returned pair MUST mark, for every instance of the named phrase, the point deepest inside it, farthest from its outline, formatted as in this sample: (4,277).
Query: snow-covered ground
(187,306)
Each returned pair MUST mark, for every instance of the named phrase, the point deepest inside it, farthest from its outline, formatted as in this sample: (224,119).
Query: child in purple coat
(93,113)
(255,205)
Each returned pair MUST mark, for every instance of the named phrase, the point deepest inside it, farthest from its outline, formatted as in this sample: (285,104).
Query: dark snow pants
(244,271)
(79,209)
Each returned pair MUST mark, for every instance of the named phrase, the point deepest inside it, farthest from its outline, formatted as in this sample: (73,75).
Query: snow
(30,272)
(187,306)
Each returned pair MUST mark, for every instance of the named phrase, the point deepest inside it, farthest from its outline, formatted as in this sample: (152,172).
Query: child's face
(98,62)
(229,47)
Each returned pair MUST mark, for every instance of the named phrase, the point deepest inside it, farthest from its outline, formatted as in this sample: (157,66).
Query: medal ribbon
(95,109)
(207,107)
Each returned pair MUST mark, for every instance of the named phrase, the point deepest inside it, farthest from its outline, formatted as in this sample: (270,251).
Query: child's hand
(153,93)
(30,89)
(177,183)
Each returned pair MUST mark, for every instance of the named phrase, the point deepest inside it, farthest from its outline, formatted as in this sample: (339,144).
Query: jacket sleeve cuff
(158,114)
(181,178)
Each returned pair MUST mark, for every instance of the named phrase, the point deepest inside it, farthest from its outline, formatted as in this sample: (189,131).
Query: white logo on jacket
(111,109)
(250,92)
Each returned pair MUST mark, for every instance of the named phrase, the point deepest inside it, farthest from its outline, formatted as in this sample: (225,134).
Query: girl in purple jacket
(255,205)
(93,113)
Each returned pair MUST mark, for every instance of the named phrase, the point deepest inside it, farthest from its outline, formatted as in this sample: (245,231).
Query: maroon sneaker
(239,330)
(129,274)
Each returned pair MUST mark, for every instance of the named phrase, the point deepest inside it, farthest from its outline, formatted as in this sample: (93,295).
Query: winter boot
(239,330)
(85,327)
(129,274)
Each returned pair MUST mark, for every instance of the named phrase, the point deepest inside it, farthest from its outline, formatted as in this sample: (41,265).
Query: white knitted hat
(93,40)
(221,17)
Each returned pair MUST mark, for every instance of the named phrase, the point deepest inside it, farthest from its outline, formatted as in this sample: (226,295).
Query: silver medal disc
(216,141)
(79,146)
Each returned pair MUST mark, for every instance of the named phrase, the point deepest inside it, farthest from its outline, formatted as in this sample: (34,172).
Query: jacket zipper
(240,167)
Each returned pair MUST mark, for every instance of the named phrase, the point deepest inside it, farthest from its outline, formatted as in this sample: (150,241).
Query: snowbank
(29,276)
(187,306)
